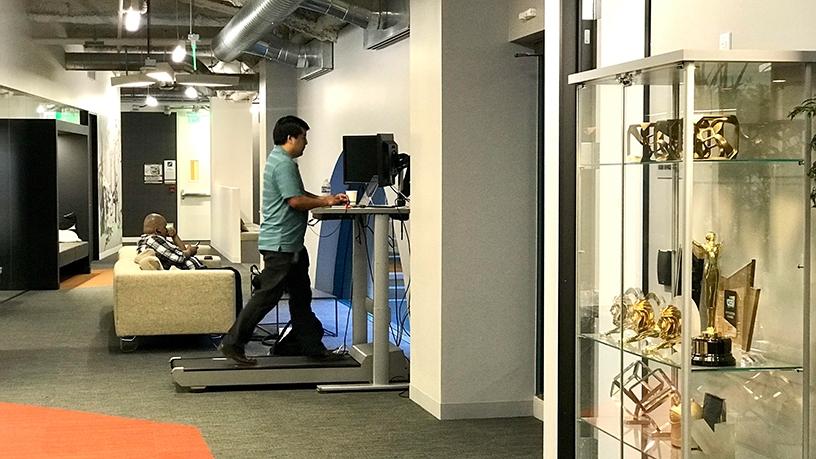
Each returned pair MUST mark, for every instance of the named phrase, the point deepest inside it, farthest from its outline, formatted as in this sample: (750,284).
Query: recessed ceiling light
(191,93)
(151,101)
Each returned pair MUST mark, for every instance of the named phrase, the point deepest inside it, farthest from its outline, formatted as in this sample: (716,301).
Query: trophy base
(712,351)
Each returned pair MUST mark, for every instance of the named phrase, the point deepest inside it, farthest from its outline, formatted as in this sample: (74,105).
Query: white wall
(620,31)
(552,75)
(231,149)
(426,204)
(754,24)
(474,223)
(366,93)
(38,70)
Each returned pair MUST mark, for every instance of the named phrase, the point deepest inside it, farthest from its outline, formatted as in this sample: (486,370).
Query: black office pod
(45,174)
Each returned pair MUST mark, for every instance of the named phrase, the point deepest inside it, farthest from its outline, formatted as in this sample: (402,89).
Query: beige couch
(173,302)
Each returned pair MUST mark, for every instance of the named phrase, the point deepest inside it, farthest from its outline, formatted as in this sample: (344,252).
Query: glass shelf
(702,162)
(673,360)
(634,437)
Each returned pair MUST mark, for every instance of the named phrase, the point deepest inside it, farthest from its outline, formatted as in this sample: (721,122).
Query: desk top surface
(336,211)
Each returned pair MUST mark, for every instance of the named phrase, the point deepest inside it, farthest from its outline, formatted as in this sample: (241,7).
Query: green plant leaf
(807,107)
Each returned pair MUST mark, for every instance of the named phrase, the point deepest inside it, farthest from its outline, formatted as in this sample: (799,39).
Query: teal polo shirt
(282,227)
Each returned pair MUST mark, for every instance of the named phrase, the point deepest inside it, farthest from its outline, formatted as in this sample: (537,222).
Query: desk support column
(382,313)
(359,286)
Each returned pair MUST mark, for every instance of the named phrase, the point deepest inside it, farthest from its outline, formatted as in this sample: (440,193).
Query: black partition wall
(147,138)
(73,181)
(45,171)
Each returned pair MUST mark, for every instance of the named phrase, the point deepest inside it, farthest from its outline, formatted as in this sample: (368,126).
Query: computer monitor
(365,156)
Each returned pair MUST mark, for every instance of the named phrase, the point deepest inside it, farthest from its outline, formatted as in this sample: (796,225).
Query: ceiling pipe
(111,62)
(244,31)
(246,82)
(280,51)
(352,14)
(249,25)
(105,49)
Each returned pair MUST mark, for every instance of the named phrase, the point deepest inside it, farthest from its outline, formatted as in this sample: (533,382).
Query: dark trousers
(282,271)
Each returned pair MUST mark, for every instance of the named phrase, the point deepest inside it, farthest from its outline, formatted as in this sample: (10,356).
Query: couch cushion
(148,261)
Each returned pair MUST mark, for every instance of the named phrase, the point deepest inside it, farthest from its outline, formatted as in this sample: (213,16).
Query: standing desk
(384,353)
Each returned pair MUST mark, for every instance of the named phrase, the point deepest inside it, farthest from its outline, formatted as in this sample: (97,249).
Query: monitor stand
(368,195)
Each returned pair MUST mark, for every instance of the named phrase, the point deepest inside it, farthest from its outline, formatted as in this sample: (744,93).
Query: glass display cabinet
(693,282)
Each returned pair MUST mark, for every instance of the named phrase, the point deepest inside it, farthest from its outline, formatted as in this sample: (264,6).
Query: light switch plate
(725,40)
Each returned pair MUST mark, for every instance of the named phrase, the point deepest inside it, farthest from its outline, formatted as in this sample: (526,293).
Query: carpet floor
(58,349)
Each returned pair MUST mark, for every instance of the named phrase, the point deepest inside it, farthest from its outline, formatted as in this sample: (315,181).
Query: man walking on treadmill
(286,206)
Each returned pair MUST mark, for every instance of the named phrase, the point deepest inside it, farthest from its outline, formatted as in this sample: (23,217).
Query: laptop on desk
(368,195)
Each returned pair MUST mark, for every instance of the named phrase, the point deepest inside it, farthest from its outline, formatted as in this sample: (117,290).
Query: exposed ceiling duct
(355,15)
(280,51)
(249,25)
(314,59)
(256,19)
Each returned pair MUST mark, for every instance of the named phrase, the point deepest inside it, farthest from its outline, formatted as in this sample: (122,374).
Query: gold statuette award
(710,349)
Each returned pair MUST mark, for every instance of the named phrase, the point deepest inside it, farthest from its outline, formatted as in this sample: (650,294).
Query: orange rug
(97,278)
(33,432)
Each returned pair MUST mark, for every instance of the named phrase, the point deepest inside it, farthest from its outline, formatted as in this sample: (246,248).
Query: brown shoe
(236,354)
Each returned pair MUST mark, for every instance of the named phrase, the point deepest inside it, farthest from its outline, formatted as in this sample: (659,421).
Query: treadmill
(200,373)
(377,365)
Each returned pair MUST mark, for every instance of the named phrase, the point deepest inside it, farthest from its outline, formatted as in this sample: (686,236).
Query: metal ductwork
(280,51)
(249,25)
(313,59)
(111,62)
(354,15)
(256,18)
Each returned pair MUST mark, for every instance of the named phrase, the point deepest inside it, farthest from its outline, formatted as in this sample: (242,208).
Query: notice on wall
(153,173)
(169,171)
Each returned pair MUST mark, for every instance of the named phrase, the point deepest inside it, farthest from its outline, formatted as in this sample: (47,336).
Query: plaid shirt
(168,253)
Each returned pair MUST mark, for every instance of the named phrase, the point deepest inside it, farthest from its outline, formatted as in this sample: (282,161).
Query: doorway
(148,169)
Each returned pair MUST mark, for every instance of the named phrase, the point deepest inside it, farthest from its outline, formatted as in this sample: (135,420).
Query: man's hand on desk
(336,200)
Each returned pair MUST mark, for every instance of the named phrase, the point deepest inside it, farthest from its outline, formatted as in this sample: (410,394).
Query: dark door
(148,140)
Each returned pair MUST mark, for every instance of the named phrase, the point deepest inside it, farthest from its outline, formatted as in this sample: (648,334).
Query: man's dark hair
(286,126)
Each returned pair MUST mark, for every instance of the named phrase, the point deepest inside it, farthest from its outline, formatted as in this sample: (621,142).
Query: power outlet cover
(725,40)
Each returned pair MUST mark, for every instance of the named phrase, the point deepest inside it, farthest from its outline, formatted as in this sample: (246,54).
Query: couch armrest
(173,302)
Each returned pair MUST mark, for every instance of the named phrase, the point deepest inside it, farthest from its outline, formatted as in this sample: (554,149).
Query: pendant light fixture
(133,17)
(180,51)
(151,101)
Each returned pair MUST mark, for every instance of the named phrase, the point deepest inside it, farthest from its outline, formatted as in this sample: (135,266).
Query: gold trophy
(710,349)
(641,318)
(620,310)
(668,325)
(716,137)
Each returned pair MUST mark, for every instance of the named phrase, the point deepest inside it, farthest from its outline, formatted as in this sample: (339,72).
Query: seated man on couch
(167,244)
(172,251)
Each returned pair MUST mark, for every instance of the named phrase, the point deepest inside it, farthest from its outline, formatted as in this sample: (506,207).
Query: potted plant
(808,109)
